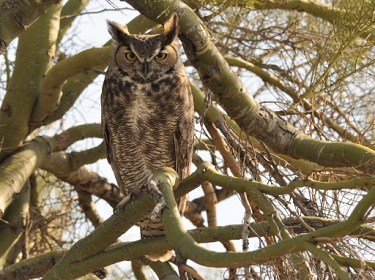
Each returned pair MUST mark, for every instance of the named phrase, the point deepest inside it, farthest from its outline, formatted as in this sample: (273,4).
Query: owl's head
(145,57)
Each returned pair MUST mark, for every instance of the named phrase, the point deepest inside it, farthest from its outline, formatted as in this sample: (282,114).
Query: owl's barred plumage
(147,113)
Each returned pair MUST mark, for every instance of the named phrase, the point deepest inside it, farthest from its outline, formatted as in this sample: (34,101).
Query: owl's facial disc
(145,64)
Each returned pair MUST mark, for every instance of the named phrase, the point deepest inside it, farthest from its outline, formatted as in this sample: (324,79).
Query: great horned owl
(147,113)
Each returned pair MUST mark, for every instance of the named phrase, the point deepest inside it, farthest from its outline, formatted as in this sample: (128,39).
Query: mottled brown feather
(147,114)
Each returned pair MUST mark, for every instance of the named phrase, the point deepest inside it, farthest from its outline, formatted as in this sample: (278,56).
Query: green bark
(57,76)
(326,257)
(42,152)
(62,164)
(69,85)
(71,9)
(17,168)
(188,248)
(355,263)
(164,271)
(34,57)
(333,154)
(15,217)
(126,251)
(96,242)
(33,267)
(255,120)
(77,133)
(17,16)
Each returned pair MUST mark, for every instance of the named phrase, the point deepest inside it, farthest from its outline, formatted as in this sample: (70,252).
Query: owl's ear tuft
(171,29)
(117,31)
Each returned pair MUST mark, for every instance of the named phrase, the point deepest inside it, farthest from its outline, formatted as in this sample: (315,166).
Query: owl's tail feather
(154,228)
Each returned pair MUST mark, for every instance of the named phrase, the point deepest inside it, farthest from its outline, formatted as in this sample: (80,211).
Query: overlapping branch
(84,256)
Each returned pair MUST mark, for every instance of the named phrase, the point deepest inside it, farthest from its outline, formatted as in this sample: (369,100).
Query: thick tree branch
(33,267)
(127,251)
(164,271)
(71,7)
(84,62)
(255,120)
(72,85)
(17,16)
(77,133)
(34,57)
(14,221)
(17,168)
(41,153)
(215,115)
(100,239)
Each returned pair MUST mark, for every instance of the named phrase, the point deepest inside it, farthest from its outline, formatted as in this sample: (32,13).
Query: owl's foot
(156,193)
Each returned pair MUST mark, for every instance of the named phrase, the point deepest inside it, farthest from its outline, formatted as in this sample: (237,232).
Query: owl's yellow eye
(130,56)
(161,56)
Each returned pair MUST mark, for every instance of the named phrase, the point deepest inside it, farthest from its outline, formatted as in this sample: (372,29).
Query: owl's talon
(121,206)
(156,193)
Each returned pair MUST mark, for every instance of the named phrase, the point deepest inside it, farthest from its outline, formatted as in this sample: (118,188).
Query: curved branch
(84,62)
(326,257)
(15,216)
(35,52)
(62,164)
(255,120)
(39,153)
(70,8)
(188,248)
(73,84)
(18,16)
(77,133)
(89,208)
(17,168)
(101,237)
(315,8)
(127,251)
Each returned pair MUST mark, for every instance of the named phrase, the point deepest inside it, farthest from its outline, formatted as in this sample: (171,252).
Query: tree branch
(57,76)
(325,257)
(127,251)
(15,218)
(19,16)
(255,120)
(36,47)
(39,153)
(17,168)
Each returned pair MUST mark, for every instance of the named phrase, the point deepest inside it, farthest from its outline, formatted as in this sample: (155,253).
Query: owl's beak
(145,69)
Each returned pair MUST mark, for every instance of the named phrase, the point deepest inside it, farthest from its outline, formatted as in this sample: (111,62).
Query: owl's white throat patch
(138,108)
